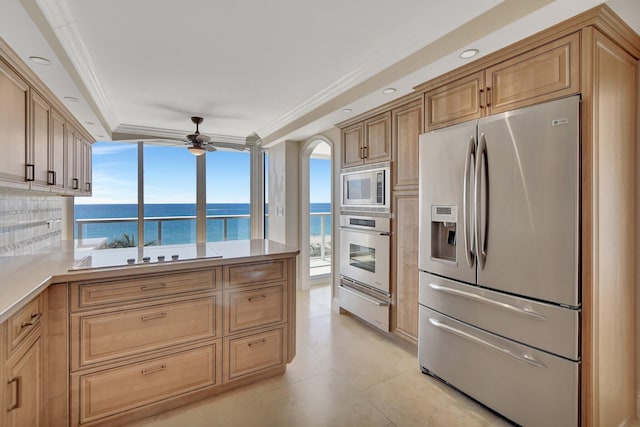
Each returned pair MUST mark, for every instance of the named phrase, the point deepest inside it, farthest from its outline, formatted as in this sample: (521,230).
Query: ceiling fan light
(196,151)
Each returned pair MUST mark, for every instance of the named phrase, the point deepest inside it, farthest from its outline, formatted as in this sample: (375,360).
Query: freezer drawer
(530,387)
(365,307)
(545,326)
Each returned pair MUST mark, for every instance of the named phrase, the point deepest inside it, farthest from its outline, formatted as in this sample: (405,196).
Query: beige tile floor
(344,374)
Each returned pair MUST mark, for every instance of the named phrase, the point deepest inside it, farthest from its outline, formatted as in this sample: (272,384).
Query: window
(228,195)
(112,210)
(169,195)
(169,188)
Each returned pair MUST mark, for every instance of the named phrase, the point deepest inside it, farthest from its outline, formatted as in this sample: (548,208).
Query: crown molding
(131,131)
(412,40)
(61,20)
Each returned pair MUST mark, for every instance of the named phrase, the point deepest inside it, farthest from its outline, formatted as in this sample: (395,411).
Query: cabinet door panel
(548,72)
(455,102)
(24,400)
(407,127)
(57,151)
(406,266)
(378,138)
(352,144)
(39,156)
(13,128)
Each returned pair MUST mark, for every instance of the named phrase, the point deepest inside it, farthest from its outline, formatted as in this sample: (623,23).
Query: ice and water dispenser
(443,232)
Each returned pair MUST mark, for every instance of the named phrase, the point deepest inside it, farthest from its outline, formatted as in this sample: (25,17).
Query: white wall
(283,193)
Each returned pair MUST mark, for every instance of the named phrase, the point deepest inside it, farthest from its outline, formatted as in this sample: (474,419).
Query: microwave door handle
(469,160)
(481,157)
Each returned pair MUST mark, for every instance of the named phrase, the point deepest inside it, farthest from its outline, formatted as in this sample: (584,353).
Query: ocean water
(176,229)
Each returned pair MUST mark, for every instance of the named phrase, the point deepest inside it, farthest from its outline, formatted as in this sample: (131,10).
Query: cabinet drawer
(101,394)
(102,337)
(23,322)
(251,308)
(95,294)
(253,353)
(255,273)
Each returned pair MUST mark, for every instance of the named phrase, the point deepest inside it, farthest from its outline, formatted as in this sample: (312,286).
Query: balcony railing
(181,229)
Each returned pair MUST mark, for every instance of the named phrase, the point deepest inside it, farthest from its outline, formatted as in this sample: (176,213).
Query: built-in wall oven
(364,268)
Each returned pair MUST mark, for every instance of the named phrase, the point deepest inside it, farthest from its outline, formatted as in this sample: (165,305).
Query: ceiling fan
(199,143)
(196,143)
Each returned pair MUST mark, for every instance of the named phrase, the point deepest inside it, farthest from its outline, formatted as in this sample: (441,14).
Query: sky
(170,174)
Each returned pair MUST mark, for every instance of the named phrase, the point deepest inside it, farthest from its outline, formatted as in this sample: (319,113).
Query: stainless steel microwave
(367,188)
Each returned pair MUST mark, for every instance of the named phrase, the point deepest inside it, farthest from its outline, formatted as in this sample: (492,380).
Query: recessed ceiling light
(389,90)
(347,110)
(89,123)
(71,99)
(469,53)
(40,60)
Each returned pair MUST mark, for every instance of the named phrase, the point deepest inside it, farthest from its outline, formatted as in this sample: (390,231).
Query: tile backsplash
(28,222)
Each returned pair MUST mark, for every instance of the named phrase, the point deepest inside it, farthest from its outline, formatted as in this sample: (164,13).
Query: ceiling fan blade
(209,147)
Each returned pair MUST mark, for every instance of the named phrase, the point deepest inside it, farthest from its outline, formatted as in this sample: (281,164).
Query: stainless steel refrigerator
(500,261)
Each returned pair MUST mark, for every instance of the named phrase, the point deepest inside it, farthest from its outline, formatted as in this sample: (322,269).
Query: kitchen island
(84,343)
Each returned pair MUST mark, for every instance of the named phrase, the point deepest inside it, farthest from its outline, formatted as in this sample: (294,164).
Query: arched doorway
(316,212)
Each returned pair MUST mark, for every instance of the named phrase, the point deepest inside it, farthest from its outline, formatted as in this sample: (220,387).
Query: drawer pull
(154,370)
(258,342)
(153,316)
(250,299)
(153,287)
(34,318)
(18,403)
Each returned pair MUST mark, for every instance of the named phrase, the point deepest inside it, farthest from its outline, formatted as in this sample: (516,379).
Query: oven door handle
(358,230)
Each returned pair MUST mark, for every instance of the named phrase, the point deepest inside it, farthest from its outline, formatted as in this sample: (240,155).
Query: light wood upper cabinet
(352,145)
(548,72)
(377,133)
(38,158)
(87,150)
(57,152)
(32,133)
(455,102)
(367,142)
(406,126)
(14,104)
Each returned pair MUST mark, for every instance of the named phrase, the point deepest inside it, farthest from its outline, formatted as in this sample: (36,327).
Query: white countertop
(25,276)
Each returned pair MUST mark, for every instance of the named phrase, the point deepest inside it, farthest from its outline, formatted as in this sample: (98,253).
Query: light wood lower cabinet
(405,266)
(245,355)
(140,345)
(98,395)
(24,407)
(102,337)
(21,352)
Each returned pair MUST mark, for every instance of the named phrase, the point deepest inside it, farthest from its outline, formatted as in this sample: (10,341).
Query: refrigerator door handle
(481,156)
(525,358)
(520,310)
(470,158)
